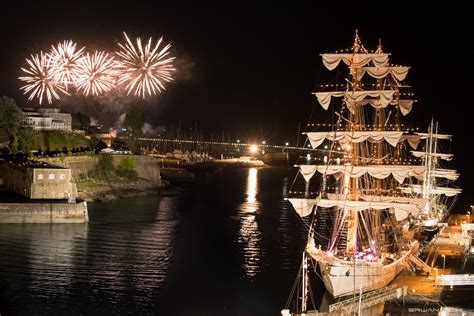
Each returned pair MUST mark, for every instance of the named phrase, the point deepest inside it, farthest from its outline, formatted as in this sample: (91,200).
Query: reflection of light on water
(252,188)
(118,259)
(51,256)
(249,235)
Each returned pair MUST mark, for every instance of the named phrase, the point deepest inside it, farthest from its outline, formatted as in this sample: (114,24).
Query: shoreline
(172,182)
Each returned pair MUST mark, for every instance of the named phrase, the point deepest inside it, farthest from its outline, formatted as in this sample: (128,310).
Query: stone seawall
(56,212)
(146,167)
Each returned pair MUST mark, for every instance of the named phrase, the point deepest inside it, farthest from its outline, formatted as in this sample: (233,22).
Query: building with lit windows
(47,119)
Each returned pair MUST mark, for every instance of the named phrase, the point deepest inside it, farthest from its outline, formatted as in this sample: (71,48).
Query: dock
(455,279)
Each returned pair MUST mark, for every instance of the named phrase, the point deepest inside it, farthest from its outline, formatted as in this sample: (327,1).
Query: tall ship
(369,181)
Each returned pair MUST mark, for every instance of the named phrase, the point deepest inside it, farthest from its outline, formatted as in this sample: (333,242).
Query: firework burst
(64,58)
(40,80)
(95,74)
(143,68)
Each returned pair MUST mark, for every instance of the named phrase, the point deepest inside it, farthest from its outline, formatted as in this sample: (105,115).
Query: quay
(37,192)
(452,241)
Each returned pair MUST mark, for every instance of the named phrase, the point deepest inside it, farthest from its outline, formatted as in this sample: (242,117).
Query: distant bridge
(263,151)
(166,144)
(159,142)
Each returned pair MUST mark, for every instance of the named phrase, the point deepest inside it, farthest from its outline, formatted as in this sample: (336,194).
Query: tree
(25,139)
(127,169)
(80,121)
(134,124)
(105,164)
(10,115)
(14,144)
(10,120)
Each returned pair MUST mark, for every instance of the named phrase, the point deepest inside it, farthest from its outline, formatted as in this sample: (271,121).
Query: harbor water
(228,245)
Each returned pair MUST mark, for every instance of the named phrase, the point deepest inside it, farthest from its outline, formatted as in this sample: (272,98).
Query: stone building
(37,180)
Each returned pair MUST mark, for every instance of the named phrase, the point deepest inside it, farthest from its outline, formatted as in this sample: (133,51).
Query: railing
(368,299)
(419,263)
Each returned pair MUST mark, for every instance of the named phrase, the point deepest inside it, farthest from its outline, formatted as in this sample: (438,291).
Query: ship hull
(342,278)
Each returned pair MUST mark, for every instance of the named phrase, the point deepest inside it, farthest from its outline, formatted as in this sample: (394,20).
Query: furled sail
(445,173)
(399,72)
(345,137)
(399,172)
(413,140)
(418,189)
(303,207)
(381,198)
(405,106)
(422,154)
(331,61)
(401,209)
(438,136)
(381,98)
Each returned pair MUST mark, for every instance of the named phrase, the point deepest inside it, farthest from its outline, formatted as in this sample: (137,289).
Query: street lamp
(253,149)
(444,262)
(287,143)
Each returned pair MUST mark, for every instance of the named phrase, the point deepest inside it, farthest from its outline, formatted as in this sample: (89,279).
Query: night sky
(249,70)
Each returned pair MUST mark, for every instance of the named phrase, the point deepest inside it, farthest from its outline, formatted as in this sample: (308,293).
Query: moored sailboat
(366,185)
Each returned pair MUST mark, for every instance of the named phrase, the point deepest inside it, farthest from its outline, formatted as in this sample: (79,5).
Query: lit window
(61,176)
(40,176)
(51,176)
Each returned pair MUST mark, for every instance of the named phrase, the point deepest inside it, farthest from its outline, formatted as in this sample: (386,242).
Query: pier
(453,240)
(455,279)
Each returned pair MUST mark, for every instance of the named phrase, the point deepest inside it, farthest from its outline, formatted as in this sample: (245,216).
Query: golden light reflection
(249,234)
(252,187)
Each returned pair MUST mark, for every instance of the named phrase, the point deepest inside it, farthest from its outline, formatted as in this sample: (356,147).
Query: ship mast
(304,283)
(351,186)
(428,164)
(434,209)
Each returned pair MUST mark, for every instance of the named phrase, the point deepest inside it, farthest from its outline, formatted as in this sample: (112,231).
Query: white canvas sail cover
(399,172)
(418,189)
(324,98)
(413,140)
(445,173)
(422,154)
(345,137)
(401,209)
(438,136)
(331,61)
(399,72)
(303,207)
(382,98)
(382,198)
(405,106)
